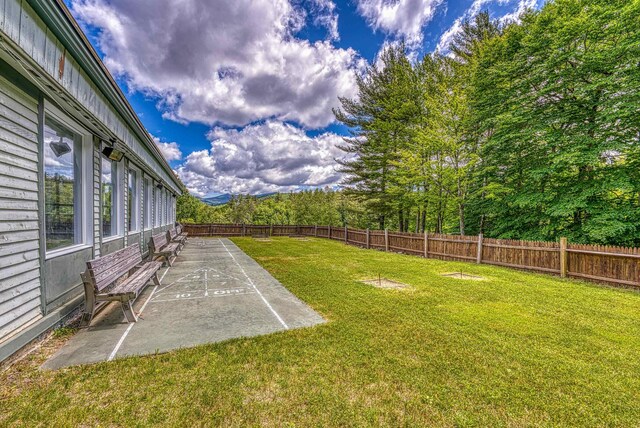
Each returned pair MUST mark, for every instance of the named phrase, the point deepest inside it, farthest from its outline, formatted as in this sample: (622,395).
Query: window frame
(136,203)
(115,195)
(118,212)
(147,194)
(85,208)
(157,206)
(166,207)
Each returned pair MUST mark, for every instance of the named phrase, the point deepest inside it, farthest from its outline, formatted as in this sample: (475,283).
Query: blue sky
(239,94)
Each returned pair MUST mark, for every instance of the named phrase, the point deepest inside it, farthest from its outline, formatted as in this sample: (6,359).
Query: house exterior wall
(19,237)
(40,71)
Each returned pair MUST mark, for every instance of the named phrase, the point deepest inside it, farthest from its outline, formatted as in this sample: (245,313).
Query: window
(171,209)
(148,201)
(166,206)
(158,217)
(63,185)
(133,202)
(109,197)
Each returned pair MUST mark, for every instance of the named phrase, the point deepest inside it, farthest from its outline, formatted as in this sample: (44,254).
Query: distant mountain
(217,200)
(226,197)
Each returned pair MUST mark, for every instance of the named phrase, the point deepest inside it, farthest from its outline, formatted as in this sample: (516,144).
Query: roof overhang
(59,20)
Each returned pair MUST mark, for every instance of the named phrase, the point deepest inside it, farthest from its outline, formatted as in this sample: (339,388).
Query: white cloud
(325,15)
(401,18)
(267,157)
(225,62)
(170,151)
(523,6)
(474,9)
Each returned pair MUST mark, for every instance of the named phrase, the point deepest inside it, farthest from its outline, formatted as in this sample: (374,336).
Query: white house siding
(20,300)
(36,292)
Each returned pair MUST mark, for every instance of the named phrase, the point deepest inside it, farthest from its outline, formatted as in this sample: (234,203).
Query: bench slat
(138,280)
(170,248)
(158,241)
(105,270)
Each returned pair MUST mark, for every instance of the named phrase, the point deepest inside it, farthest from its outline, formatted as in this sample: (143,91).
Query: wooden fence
(612,265)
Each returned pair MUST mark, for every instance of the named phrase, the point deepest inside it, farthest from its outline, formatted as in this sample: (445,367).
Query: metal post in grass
(315,231)
(368,239)
(329,235)
(479,254)
(563,257)
(386,239)
(346,234)
(270,229)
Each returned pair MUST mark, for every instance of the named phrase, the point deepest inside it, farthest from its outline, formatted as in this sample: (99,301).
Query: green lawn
(514,350)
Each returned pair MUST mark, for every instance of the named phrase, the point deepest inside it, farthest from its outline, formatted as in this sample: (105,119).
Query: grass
(516,349)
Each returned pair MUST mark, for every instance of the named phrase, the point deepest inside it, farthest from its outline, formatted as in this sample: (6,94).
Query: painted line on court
(179,279)
(126,332)
(255,288)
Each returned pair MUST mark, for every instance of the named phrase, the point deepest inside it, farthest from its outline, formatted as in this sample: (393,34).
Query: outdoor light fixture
(159,186)
(59,148)
(113,154)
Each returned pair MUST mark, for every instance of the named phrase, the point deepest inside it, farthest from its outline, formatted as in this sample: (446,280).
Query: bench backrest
(104,271)
(158,241)
(172,233)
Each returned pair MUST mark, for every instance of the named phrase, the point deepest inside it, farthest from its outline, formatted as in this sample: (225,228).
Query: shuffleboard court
(213,292)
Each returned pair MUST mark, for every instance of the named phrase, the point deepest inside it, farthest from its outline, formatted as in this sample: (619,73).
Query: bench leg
(169,260)
(127,308)
(87,316)
(155,279)
(89,301)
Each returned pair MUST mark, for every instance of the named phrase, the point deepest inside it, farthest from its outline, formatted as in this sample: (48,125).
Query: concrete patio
(213,292)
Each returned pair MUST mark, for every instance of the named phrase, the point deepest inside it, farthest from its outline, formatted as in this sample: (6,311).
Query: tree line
(309,207)
(524,130)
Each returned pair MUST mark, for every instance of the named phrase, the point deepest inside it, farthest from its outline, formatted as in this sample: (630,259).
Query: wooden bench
(101,280)
(174,236)
(160,247)
(181,232)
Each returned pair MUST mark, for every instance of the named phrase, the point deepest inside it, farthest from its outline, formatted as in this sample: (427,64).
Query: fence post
(426,244)
(329,236)
(346,233)
(563,257)
(479,255)
(368,239)
(386,240)
(243,229)
(271,230)
(315,231)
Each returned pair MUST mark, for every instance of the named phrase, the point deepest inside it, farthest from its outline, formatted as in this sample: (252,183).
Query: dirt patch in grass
(386,283)
(299,237)
(22,371)
(465,276)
